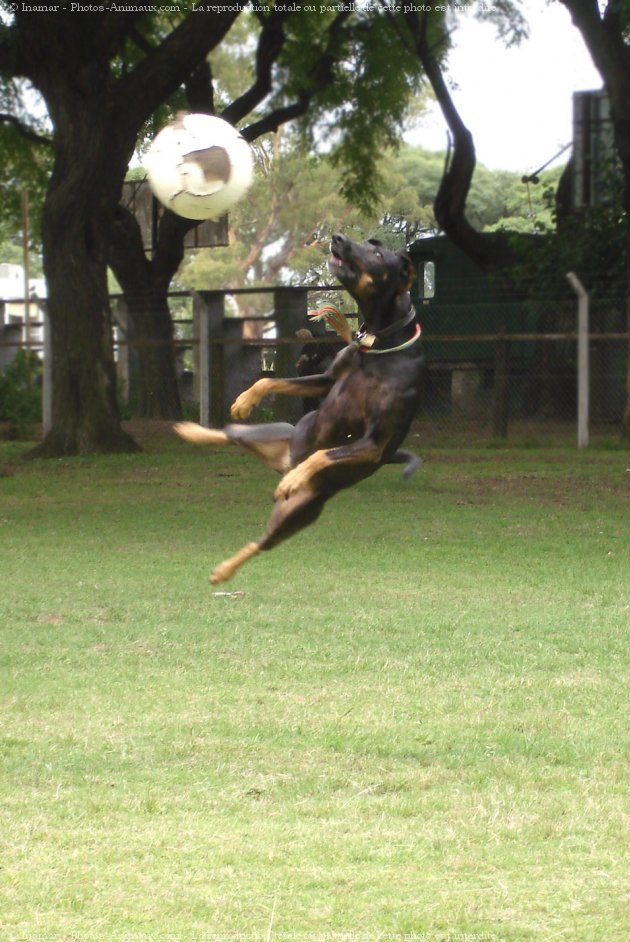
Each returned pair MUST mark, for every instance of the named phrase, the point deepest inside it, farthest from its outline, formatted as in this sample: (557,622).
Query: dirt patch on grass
(152,434)
(557,489)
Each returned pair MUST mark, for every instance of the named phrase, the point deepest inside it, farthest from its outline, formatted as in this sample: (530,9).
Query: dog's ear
(407,273)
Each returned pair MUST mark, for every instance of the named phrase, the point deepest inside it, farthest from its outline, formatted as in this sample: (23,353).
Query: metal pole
(583,360)
(26,269)
(203,319)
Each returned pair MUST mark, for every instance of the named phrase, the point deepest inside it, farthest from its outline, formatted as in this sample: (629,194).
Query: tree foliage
(27,155)
(280,233)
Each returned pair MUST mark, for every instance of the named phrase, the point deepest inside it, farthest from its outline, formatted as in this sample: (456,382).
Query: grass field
(412,723)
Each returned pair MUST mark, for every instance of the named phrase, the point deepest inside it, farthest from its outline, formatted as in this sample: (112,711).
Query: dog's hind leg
(228,567)
(288,517)
(270,443)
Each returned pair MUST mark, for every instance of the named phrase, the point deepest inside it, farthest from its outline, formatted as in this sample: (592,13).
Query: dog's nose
(338,240)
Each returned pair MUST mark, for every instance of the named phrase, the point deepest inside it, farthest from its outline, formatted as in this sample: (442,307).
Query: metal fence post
(583,360)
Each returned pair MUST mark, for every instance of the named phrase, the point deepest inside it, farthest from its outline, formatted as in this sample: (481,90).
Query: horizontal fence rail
(334,341)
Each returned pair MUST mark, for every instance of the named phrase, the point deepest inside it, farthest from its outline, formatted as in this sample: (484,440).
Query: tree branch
(450,202)
(279,116)
(199,89)
(24,131)
(603,37)
(166,68)
(126,255)
(142,44)
(169,249)
(270,43)
(322,75)
(116,26)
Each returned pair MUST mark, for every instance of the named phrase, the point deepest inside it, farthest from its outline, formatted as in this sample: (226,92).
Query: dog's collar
(397,325)
(366,340)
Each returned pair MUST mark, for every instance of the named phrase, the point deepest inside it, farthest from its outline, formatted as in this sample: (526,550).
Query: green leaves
(20,393)
(506,16)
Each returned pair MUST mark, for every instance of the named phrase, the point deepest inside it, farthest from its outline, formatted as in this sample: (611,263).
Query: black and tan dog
(371,395)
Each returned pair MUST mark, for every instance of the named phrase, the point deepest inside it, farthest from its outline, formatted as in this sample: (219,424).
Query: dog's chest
(372,385)
(357,400)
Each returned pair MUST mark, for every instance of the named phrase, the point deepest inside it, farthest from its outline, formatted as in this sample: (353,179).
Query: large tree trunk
(625,422)
(154,391)
(85,417)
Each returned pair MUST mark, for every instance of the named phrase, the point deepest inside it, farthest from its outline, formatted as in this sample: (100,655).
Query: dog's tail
(411,462)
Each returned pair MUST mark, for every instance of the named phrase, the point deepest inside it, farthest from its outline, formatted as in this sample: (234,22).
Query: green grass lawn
(411,724)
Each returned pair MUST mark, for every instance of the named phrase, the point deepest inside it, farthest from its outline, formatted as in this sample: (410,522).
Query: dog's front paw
(243,405)
(248,400)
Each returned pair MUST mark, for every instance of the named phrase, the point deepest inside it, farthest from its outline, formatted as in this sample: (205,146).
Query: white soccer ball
(199,166)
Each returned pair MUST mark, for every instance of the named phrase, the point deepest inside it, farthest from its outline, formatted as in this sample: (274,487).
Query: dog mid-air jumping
(371,396)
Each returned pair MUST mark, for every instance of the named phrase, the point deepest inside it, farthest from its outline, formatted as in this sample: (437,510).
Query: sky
(517,102)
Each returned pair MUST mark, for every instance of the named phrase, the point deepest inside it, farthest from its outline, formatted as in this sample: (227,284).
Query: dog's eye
(378,254)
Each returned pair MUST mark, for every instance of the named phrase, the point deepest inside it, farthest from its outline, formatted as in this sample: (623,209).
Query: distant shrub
(20,392)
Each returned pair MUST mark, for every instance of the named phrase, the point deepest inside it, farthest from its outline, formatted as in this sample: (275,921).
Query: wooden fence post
(208,308)
(290,308)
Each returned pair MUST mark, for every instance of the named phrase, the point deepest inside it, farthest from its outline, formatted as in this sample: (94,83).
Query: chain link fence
(520,383)
(516,384)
